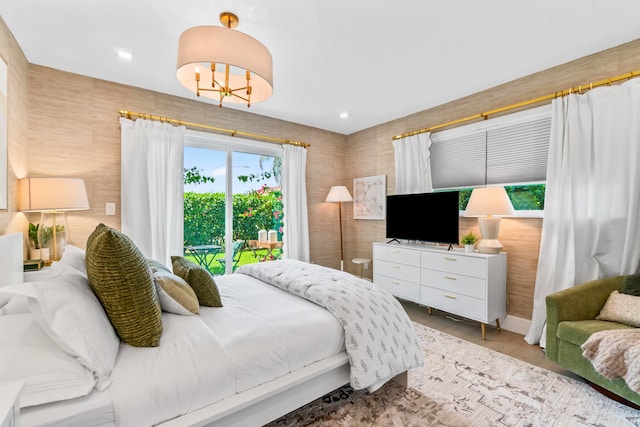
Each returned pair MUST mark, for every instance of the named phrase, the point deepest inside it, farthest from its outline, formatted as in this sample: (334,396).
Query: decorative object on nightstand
(469,240)
(363,262)
(339,194)
(489,204)
(53,197)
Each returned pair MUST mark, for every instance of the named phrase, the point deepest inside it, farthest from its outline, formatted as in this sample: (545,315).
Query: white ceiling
(377,59)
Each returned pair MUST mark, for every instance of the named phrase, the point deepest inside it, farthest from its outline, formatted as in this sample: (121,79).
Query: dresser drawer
(400,288)
(455,263)
(396,254)
(452,302)
(404,272)
(451,282)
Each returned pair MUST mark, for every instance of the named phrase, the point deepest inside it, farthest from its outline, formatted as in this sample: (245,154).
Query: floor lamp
(339,194)
(484,203)
(53,197)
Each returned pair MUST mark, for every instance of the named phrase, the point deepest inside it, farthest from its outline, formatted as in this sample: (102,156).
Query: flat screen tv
(428,217)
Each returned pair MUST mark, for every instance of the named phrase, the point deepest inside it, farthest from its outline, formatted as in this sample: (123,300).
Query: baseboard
(516,324)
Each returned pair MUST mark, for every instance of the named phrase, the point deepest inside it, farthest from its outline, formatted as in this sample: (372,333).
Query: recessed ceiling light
(344,115)
(125,55)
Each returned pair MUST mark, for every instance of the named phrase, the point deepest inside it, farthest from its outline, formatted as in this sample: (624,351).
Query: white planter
(469,249)
(39,253)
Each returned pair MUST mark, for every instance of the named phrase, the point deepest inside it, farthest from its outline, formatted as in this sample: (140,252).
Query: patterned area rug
(463,384)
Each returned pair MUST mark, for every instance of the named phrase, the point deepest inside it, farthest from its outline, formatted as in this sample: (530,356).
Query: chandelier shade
(224,64)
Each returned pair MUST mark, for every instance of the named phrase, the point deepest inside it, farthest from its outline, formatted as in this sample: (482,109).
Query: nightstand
(9,407)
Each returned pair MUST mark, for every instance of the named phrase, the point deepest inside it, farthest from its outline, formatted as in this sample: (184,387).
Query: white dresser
(472,285)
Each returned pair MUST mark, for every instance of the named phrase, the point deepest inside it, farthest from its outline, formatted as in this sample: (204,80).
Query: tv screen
(428,217)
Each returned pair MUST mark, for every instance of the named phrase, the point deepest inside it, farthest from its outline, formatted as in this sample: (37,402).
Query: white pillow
(69,312)
(29,355)
(74,257)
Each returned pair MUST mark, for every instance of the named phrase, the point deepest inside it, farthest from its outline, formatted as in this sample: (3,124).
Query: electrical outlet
(110,209)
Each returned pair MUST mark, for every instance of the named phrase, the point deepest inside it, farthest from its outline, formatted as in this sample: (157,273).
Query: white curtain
(152,187)
(294,200)
(413,168)
(591,225)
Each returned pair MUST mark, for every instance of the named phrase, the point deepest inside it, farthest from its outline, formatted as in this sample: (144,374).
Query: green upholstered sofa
(571,320)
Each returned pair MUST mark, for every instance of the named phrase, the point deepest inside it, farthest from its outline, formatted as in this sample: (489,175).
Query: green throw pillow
(121,279)
(632,285)
(199,279)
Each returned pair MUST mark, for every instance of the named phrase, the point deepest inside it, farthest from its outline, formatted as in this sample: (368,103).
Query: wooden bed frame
(269,401)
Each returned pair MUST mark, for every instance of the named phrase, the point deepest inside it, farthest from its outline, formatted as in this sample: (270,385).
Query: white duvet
(260,334)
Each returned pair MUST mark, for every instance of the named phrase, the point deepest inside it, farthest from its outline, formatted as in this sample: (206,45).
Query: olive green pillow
(121,279)
(199,279)
(631,285)
(174,293)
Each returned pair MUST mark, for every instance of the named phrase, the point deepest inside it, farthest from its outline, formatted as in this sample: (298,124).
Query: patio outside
(257,205)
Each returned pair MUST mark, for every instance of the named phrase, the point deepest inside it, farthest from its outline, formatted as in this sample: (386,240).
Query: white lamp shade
(52,194)
(489,201)
(198,47)
(339,193)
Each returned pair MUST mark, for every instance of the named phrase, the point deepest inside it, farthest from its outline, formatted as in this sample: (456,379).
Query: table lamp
(53,197)
(339,194)
(485,203)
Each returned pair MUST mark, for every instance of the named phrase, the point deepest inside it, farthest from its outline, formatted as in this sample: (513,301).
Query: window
(231,192)
(511,151)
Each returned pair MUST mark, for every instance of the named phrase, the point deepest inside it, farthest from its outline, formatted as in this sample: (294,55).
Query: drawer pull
(395,283)
(395,267)
(394,251)
(449,296)
(450,277)
(450,259)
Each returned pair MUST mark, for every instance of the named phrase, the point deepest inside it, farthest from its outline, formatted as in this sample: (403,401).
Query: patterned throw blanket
(379,337)
(616,354)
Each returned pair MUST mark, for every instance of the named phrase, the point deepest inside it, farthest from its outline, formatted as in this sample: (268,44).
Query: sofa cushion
(631,285)
(577,331)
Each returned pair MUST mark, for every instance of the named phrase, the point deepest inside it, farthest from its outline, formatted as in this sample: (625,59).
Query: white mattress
(260,334)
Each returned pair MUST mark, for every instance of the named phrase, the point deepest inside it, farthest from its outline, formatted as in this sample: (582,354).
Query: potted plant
(468,240)
(37,249)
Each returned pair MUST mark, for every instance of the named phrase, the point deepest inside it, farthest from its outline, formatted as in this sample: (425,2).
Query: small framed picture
(369,197)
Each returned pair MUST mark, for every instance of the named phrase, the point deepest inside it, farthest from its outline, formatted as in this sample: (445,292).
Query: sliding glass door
(232,202)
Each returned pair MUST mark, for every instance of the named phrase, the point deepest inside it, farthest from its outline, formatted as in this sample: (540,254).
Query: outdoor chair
(236,253)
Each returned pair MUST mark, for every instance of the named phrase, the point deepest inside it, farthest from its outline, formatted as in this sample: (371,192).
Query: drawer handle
(395,251)
(450,277)
(450,259)
(450,296)
(395,267)
(395,283)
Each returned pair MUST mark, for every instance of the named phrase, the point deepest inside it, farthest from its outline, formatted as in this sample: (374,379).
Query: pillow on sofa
(621,308)
(631,285)
(200,280)
(174,293)
(68,311)
(120,277)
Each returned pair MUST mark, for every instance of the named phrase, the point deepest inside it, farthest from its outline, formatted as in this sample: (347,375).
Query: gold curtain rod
(486,114)
(130,114)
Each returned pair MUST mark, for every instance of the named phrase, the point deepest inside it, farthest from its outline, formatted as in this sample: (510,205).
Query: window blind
(509,152)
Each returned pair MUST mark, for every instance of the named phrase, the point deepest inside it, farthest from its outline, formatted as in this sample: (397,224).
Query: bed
(266,352)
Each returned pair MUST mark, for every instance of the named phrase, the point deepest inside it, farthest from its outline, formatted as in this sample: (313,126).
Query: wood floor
(506,342)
